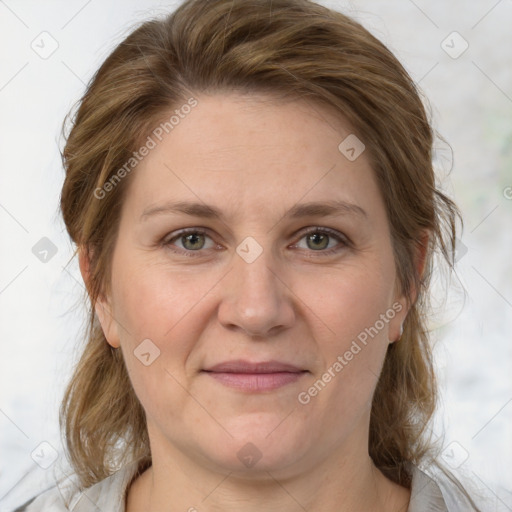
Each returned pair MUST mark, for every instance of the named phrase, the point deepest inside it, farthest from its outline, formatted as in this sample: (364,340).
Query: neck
(177,482)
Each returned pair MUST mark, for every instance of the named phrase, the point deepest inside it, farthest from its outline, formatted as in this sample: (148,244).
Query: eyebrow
(312,209)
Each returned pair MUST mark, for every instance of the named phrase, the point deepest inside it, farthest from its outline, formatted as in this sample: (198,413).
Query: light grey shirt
(428,494)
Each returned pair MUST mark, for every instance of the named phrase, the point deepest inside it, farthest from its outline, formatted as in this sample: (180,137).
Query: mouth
(254,376)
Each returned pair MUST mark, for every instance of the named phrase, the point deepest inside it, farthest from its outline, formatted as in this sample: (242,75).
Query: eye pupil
(318,238)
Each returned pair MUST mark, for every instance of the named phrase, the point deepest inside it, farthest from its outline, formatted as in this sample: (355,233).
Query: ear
(102,305)
(402,304)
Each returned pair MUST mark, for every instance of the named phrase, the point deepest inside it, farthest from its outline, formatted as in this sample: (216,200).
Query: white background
(41,316)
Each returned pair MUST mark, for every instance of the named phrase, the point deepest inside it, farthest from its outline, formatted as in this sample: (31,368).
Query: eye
(323,241)
(191,240)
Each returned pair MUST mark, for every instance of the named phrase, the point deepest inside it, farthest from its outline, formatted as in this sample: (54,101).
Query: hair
(290,50)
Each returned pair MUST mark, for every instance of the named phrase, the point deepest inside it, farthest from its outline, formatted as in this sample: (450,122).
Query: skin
(254,160)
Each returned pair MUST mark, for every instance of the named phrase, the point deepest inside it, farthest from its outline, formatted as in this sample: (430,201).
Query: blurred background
(460,54)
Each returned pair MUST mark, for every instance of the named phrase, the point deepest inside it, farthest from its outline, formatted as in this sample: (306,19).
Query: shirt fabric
(429,493)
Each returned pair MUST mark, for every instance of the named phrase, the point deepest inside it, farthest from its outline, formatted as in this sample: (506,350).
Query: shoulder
(436,489)
(108,495)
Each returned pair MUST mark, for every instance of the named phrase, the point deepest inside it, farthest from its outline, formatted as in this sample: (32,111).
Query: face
(253,290)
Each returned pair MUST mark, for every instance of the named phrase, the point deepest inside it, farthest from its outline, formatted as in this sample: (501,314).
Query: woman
(250,189)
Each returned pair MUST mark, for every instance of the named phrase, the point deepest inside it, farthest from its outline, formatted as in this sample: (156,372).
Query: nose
(256,299)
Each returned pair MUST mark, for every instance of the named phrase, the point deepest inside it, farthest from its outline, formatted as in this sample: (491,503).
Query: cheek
(155,302)
(353,310)
(153,305)
(348,302)
(169,308)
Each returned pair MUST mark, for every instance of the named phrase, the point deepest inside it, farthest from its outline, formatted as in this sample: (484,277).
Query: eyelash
(167,242)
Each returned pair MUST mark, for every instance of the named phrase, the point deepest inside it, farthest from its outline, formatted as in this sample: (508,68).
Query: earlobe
(108,324)
(401,332)
(397,324)
(102,304)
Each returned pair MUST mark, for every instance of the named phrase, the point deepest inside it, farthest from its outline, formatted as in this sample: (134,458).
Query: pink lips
(248,376)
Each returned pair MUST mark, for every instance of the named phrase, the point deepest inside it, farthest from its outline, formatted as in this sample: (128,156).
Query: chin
(261,445)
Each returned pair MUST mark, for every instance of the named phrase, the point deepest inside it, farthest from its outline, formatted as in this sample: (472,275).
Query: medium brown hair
(290,49)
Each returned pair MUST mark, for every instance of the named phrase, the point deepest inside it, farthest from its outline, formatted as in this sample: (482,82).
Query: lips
(241,366)
(255,376)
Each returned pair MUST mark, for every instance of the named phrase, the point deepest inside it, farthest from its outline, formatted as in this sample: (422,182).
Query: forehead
(246,152)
